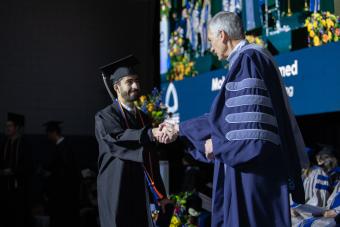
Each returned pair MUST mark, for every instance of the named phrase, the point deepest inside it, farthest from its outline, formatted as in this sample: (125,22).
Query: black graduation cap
(120,68)
(18,119)
(52,126)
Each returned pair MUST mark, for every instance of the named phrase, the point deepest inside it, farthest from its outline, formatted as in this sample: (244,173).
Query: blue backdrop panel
(311,77)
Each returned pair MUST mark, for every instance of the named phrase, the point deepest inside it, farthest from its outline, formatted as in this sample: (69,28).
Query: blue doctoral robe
(256,144)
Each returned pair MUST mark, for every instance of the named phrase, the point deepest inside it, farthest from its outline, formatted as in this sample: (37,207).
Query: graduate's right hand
(162,136)
(168,132)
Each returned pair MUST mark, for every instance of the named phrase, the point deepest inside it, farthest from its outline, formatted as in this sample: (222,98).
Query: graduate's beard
(130,96)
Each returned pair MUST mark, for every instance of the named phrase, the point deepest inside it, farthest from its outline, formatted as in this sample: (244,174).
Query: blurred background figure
(88,199)
(316,179)
(15,174)
(63,179)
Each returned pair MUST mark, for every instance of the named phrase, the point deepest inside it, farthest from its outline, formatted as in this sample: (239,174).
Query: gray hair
(228,22)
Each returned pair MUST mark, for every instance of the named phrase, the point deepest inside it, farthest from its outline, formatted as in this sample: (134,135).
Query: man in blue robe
(250,134)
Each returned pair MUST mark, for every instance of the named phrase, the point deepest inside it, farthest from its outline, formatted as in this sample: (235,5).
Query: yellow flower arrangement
(255,39)
(250,38)
(322,28)
(165,7)
(152,105)
(181,64)
(184,214)
(325,38)
(330,23)
(309,26)
(330,35)
(337,32)
(142,99)
(175,221)
(316,41)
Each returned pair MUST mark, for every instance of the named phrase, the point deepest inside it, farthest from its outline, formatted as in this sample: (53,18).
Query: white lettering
(290,91)
(289,70)
(295,68)
(216,83)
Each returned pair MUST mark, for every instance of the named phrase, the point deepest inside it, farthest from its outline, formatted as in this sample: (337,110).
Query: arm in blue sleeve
(243,124)
(195,132)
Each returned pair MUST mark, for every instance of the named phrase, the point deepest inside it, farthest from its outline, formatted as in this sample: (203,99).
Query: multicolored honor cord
(156,194)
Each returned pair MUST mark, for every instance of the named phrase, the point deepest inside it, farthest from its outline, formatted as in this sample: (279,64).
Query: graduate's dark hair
(116,83)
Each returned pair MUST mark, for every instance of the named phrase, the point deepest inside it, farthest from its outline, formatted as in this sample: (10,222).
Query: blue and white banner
(311,77)
(234,6)
(164,45)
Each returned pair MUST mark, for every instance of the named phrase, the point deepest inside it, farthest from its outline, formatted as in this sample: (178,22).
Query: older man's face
(218,44)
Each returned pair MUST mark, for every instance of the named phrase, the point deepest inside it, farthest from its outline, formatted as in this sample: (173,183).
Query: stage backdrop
(311,77)
(51,51)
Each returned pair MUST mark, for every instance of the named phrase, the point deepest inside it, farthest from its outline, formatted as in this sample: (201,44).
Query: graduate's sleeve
(243,123)
(194,133)
(122,143)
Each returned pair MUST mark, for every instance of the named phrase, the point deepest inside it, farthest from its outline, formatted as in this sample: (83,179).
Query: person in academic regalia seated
(329,183)
(128,163)
(15,175)
(327,160)
(327,218)
(317,186)
(317,182)
(250,134)
(63,179)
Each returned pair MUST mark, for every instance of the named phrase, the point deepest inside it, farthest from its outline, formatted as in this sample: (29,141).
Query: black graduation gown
(15,189)
(123,195)
(63,186)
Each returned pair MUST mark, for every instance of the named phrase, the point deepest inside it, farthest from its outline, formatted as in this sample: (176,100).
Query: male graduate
(128,166)
(15,174)
(250,133)
(64,179)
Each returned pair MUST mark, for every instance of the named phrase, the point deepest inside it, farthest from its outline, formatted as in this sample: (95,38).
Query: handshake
(166,132)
